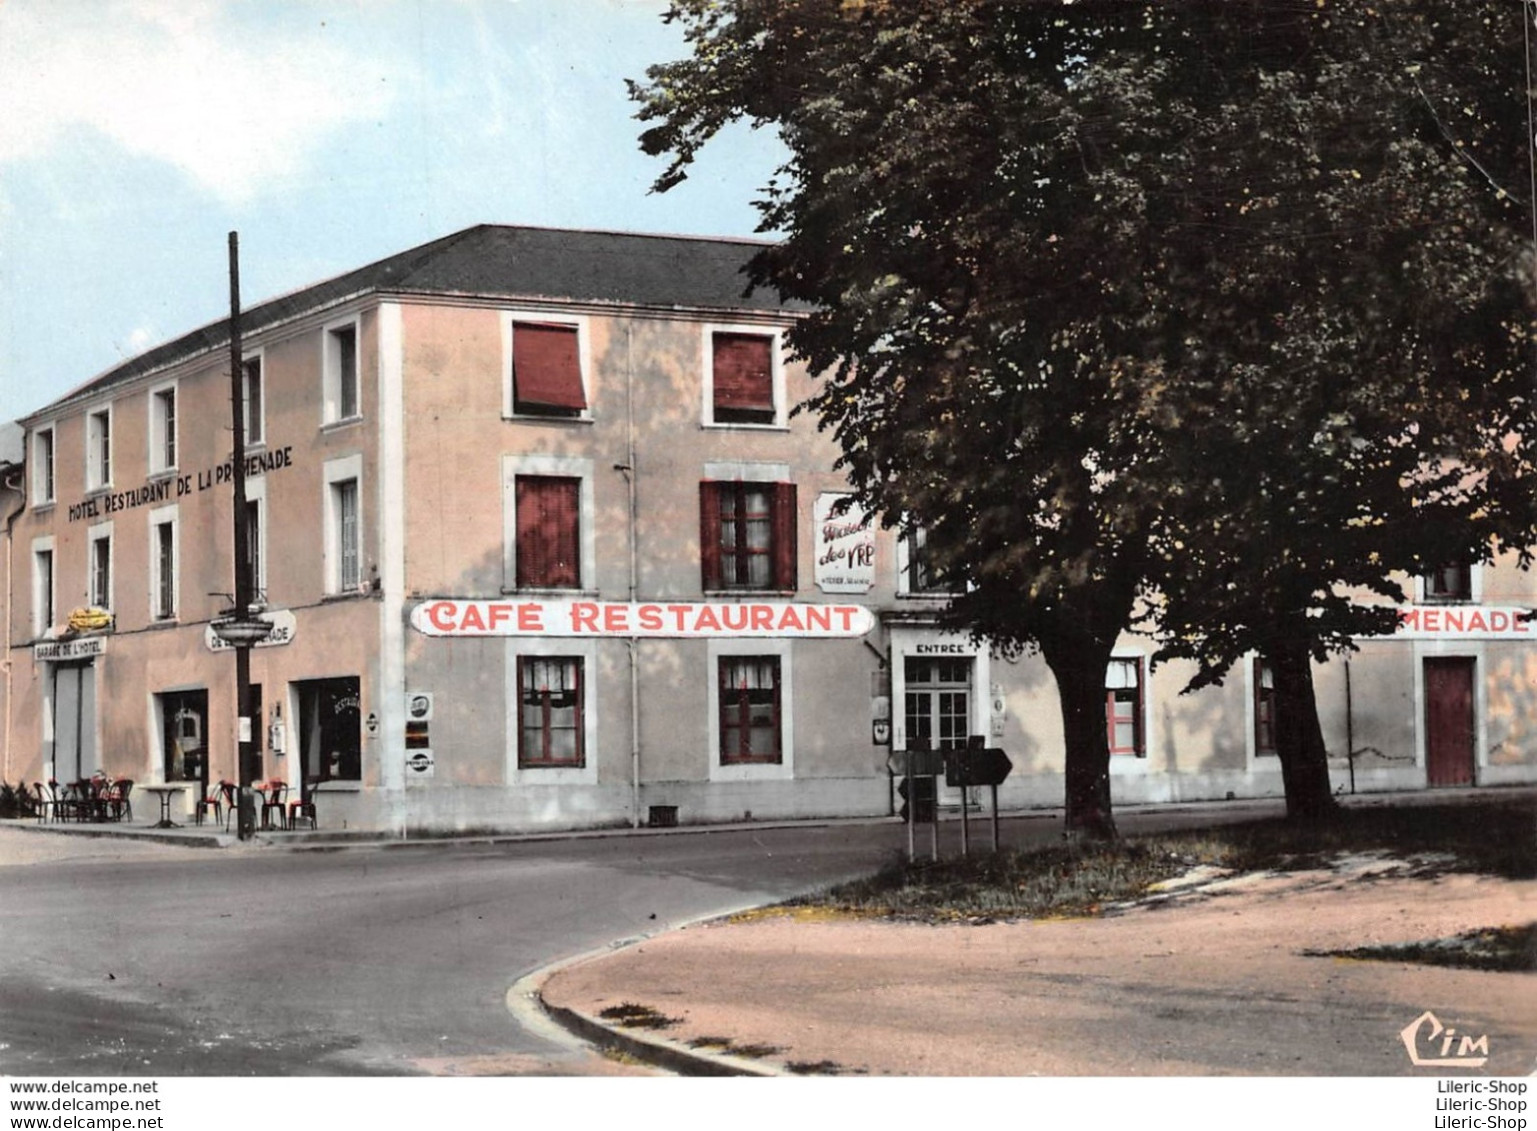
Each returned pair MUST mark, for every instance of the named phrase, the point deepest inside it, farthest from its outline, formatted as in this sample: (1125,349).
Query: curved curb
(558,1023)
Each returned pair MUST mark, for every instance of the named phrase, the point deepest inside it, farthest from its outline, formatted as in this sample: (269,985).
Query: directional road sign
(924,764)
(976,766)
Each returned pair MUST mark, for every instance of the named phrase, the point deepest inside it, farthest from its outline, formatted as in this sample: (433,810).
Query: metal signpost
(919,766)
(977,765)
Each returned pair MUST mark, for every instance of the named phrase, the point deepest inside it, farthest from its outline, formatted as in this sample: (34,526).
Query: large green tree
(1067,263)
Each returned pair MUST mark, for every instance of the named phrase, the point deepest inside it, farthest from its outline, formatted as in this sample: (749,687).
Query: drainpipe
(13,484)
(1350,729)
(633,643)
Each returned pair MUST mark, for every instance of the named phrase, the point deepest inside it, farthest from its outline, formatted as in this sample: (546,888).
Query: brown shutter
(744,372)
(786,522)
(709,535)
(549,532)
(546,372)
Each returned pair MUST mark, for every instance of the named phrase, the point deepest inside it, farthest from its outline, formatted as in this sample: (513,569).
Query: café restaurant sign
(675,619)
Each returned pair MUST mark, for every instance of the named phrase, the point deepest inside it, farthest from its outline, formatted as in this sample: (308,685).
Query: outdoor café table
(165,793)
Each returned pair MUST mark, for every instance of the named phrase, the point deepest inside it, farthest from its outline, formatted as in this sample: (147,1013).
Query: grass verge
(1490,837)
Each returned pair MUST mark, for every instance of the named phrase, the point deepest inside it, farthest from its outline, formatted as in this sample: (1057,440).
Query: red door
(1449,722)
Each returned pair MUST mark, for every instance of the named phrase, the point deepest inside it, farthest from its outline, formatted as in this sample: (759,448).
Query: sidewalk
(1213,981)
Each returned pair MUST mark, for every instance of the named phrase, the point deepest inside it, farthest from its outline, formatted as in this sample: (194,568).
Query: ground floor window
(750,714)
(1264,708)
(937,702)
(550,709)
(184,722)
(330,729)
(1123,707)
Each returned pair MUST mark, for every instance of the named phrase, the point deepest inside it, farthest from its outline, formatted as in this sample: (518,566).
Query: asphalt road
(362,960)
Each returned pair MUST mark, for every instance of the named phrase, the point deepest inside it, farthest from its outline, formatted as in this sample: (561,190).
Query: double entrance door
(75,755)
(936,707)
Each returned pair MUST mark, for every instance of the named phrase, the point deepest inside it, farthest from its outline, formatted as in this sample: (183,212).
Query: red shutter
(709,535)
(549,532)
(744,372)
(546,372)
(786,522)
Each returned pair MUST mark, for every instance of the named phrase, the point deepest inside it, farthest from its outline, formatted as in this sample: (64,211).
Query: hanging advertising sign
(283,628)
(845,545)
(674,619)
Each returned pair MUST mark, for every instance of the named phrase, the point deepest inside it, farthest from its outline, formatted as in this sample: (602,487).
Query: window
(98,450)
(549,544)
(547,368)
(42,468)
(1123,707)
(42,586)
(1264,708)
(915,566)
(550,710)
(254,405)
(743,376)
(255,559)
(936,701)
(162,429)
(747,535)
(342,401)
(100,566)
(163,571)
(749,698)
(343,533)
(1450,583)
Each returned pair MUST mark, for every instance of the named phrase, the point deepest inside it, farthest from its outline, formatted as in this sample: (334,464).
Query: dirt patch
(1214,980)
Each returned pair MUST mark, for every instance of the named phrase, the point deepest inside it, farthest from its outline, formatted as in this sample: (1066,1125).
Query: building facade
(544,546)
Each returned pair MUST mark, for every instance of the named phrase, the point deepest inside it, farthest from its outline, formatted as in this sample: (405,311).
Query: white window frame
(334,472)
(43,626)
(583,357)
(784,769)
(94,535)
(158,439)
(256,496)
(904,570)
(164,516)
(1134,763)
(331,398)
(97,477)
(561,467)
(1475,589)
(776,361)
(254,437)
(45,471)
(587,772)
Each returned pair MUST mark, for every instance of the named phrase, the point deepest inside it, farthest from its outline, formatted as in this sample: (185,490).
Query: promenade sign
(1464,622)
(660,619)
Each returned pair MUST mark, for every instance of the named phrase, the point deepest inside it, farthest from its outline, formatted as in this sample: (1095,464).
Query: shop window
(1264,708)
(184,715)
(42,467)
(342,396)
(1450,583)
(162,430)
(550,711)
(741,378)
(98,450)
(747,535)
(1124,707)
(547,369)
(254,402)
(330,730)
(749,700)
(549,537)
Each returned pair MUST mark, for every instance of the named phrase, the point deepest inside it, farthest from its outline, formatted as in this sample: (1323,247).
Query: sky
(136,134)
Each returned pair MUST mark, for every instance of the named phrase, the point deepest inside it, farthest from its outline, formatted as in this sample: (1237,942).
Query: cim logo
(1430,1045)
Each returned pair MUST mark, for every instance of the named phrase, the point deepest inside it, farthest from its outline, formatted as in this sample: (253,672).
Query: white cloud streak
(232,105)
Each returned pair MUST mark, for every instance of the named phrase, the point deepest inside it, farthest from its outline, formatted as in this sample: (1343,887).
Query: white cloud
(231,104)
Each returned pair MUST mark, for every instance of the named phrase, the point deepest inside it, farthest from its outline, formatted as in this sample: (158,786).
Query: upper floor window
(747,535)
(162,429)
(1124,707)
(254,400)
(916,573)
(744,381)
(1450,583)
(546,368)
(98,449)
(343,400)
(255,558)
(42,586)
(43,483)
(549,532)
(163,571)
(100,566)
(343,518)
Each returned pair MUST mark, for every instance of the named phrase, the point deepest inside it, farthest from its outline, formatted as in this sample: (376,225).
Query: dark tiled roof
(503,262)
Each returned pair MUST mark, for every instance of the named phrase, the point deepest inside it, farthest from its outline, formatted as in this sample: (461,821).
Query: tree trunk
(1299,737)
(1079,667)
